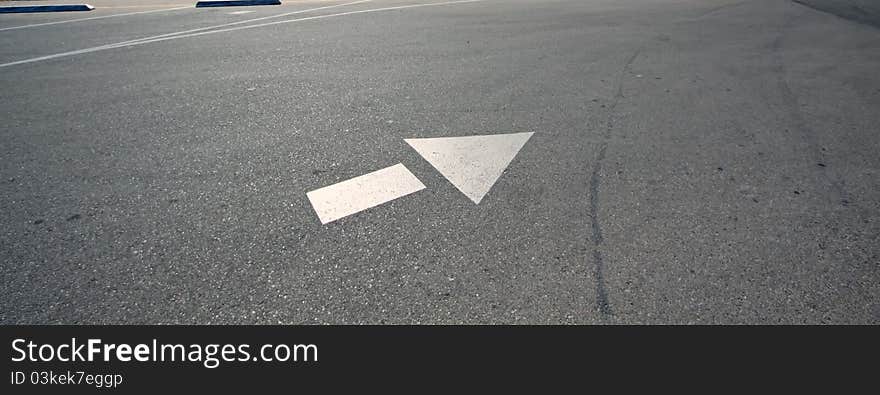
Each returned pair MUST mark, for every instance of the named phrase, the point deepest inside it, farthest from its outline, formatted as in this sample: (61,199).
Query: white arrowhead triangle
(472,163)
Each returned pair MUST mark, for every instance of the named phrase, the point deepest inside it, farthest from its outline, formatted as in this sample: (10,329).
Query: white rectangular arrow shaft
(360,193)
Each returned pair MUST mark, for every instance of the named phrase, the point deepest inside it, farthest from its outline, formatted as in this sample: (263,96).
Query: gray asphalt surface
(693,162)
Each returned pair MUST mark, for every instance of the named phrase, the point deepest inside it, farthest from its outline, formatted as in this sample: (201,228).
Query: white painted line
(472,163)
(360,193)
(188,32)
(240,12)
(93,18)
(172,36)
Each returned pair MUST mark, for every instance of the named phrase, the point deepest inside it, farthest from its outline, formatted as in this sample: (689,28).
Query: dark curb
(46,8)
(236,3)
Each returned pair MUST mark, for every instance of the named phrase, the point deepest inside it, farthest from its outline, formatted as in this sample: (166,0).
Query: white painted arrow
(472,163)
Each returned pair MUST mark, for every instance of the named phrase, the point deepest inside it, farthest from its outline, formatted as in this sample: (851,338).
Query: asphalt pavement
(675,162)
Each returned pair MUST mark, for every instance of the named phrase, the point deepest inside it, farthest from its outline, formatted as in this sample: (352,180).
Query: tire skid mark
(603,304)
(792,106)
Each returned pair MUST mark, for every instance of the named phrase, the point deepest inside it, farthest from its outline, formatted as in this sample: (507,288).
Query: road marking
(168,36)
(360,193)
(93,18)
(472,163)
(172,36)
(188,32)
(240,12)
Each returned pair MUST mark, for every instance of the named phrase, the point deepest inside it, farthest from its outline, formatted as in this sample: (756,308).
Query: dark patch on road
(866,12)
